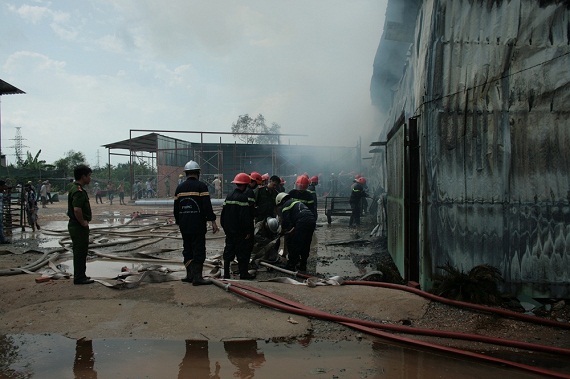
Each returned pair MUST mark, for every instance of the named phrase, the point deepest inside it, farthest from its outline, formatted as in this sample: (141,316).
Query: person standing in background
(48,192)
(79,213)
(3,189)
(31,206)
(43,194)
(217,187)
(110,192)
(121,190)
(167,185)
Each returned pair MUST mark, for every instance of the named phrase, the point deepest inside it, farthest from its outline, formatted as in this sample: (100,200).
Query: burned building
(477,96)
(167,156)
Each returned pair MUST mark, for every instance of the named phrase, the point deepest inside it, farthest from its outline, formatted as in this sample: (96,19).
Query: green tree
(34,162)
(275,130)
(246,124)
(68,163)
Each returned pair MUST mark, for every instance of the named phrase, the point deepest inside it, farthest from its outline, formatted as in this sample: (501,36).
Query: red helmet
(315,179)
(242,178)
(361,180)
(265,177)
(256,176)
(302,182)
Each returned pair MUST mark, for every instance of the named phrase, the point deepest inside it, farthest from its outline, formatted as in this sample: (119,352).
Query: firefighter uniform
(356,195)
(192,211)
(295,214)
(237,221)
(306,198)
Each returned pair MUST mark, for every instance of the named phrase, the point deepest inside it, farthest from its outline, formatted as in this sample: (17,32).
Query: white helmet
(272,224)
(280,197)
(191,166)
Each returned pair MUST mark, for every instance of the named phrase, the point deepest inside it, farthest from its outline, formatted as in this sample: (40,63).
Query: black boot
(198,280)
(303,265)
(227,269)
(243,273)
(189,274)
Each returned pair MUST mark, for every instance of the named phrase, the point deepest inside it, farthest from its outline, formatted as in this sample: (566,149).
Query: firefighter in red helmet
(300,193)
(237,222)
(357,193)
(314,181)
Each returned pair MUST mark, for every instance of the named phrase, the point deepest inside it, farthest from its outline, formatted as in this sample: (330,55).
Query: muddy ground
(176,310)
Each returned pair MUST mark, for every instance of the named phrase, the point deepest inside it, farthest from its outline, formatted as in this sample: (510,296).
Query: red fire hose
(367,326)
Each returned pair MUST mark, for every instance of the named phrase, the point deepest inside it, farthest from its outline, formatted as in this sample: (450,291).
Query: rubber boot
(227,269)
(198,280)
(303,265)
(189,274)
(243,273)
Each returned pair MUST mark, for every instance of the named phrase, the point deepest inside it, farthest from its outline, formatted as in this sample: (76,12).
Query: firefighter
(297,224)
(265,199)
(314,182)
(267,241)
(255,181)
(357,193)
(192,210)
(237,221)
(300,193)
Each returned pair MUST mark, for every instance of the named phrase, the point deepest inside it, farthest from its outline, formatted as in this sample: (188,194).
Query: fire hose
(371,327)
(443,300)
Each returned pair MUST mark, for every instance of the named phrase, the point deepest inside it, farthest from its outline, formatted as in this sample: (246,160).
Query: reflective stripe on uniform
(306,201)
(234,202)
(184,194)
(290,206)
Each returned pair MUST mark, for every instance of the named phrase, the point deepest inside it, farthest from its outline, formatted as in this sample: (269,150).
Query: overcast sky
(94,69)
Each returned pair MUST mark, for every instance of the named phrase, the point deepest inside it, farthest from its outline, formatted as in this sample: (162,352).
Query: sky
(93,70)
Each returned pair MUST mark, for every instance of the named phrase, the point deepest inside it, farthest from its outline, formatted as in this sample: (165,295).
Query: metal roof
(8,89)
(148,143)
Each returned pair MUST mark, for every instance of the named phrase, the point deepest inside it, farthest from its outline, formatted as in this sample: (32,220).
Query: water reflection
(54,356)
(83,365)
(245,356)
(196,362)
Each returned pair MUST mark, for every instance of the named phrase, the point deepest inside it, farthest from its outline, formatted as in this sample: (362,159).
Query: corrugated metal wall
(490,82)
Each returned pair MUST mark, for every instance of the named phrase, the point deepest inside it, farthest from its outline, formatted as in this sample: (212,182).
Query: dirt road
(176,310)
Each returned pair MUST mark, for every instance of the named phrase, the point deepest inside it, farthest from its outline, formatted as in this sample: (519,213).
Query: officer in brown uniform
(79,212)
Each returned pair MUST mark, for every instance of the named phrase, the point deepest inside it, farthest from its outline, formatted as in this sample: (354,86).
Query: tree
(246,124)
(34,163)
(275,130)
(68,163)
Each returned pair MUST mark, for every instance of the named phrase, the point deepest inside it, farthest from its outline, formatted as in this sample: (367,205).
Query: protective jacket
(357,193)
(192,206)
(237,213)
(295,212)
(265,203)
(306,198)
(313,191)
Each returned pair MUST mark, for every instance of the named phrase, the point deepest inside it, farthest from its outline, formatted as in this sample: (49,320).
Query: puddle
(33,356)
(110,269)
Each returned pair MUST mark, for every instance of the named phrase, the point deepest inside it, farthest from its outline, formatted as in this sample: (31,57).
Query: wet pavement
(53,356)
